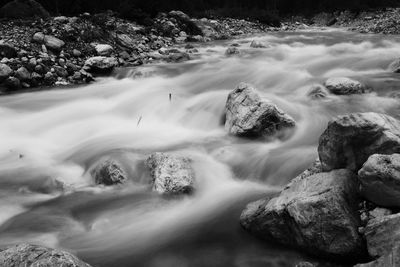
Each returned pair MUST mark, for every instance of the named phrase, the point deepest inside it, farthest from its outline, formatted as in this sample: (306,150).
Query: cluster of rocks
(344,207)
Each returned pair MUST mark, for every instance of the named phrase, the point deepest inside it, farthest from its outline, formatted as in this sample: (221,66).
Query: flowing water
(55,137)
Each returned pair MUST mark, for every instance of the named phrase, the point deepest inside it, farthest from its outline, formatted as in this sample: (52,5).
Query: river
(50,140)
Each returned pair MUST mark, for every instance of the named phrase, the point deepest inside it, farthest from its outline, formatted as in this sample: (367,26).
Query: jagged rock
(345,86)
(316,213)
(247,114)
(257,44)
(22,9)
(23,74)
(380,180)
(5,72)
(7,50)
(318,91)
(171,174)
(395,66)
(109,172)
(104,49)
(349,140)
(49,41)
(392,259)
(126,41)
(232,51)
(382,234)
(101,64)
(33,255)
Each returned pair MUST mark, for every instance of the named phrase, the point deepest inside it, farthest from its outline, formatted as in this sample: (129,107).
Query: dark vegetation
(266,11)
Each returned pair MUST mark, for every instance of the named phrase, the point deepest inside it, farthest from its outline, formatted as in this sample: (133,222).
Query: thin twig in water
(140,119)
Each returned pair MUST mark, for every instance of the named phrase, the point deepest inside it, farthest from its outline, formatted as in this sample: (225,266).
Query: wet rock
(257,44)
(392,259)
(178,57)
(395,66)
(318,91)
(316,213)
(345,86)
(380,180)
(232,51)
(33,255)
(350,140)
(305,264)
(101,64)
(104,49)
(23,74)
(109,172)
(22,9)
(5,72)
(382,234)
(171,174)
(248,115)
(7,50)
(49,41)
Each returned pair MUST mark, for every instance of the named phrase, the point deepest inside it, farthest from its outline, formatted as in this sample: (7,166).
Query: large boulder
(22,9)
(392,259)
(382,234)
(380,180)
(345,86)
(101,64)
(171,174)
(36,256)
(317,214)
(109,172)
(7,50)
(257,44)
(5,72)
(49,41)
(349,140)
(247,114)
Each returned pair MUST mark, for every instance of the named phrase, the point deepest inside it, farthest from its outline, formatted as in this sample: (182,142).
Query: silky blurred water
(54,137)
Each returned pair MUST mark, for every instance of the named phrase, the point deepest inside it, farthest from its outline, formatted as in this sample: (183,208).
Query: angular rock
(33,255)
(109,172)
(317,214)
(22,9)
(101,64)
(49,41)
(349,140)
(382,234)
(248,115)
(5,72)
(345,86)
(171,174)
(23,74)
(104,49)
(7,50)
(257,44)
(380,180)
(392,259)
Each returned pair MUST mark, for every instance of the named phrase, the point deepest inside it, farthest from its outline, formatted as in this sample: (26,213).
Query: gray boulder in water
(345,86)
(248,115)
(380,180)
(171,174)
(22,9)
(350,140)
(36,256)
(316,213)
(232,51)
(109,172)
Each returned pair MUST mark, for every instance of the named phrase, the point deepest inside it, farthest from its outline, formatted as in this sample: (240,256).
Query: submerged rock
(109,172)
(382,234)
(33,255)
(380,180)
(349,140)
(247,114)
(101,64)
(171,174)
(345,86)
(316,213)
(232,51)
(395,66)
(257,44)
(318,91)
